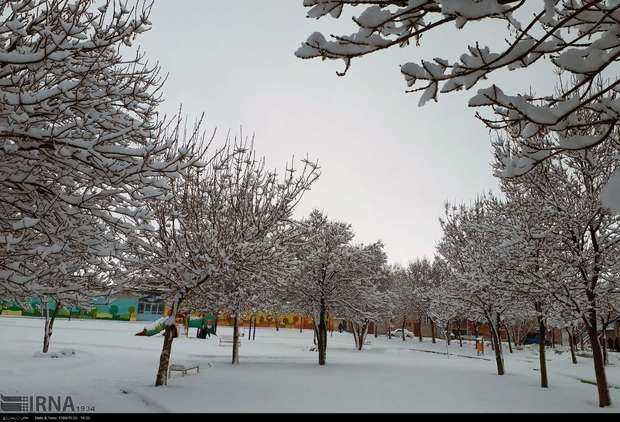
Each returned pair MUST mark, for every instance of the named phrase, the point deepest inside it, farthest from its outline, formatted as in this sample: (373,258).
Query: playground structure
(206,324)
(154,328)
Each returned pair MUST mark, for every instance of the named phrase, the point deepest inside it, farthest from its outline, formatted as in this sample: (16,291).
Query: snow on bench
(225,340)
(183,368)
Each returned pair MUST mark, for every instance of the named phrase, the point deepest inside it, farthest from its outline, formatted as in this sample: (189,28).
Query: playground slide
(154,328)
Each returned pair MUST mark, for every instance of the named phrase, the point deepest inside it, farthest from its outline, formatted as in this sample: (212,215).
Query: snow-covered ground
(114,371)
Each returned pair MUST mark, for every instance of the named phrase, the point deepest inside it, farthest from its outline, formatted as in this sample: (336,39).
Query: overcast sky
(387,165)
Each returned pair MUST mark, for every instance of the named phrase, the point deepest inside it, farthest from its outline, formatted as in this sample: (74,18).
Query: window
(151,307)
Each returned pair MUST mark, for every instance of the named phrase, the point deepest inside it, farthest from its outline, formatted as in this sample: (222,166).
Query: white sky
(387,165)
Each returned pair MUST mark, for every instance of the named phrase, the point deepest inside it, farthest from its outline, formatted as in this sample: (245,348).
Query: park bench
(226,340)
(468,337)
(183,368)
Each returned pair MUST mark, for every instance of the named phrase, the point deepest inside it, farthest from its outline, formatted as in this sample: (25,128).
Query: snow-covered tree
(472,254)
(78,128)
(386,289)
(401,302)
(362,300)
(582,238)
(81,146)
(252,215)
(441,309)
(527,253)
(74,282)
(578,37)
(331,272)
(420,276)
(224,230)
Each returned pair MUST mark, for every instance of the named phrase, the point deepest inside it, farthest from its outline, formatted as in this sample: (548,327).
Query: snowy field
(114,371)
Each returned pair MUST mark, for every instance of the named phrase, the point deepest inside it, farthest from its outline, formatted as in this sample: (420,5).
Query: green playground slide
(155,328)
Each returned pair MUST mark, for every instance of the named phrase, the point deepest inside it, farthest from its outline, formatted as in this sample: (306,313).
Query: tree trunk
(599,366)
(322,333)
(45,313)
(164,358)
(458,327)
(508,337)
(375,327)
(277,323)
(403,328)
(433,330)
(604,341)
(363,334)
(571,343)
(359,333)
(420,330)
(542,333)
(497,347)
(448,333)
(301,324)
(235,351)
(49,324)
(254,332)
(390,329)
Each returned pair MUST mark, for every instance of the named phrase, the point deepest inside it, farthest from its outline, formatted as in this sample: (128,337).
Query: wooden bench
(177,367)
(226,340)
